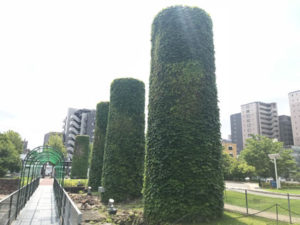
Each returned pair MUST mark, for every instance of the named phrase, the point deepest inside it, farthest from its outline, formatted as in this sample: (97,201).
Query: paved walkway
(41,208)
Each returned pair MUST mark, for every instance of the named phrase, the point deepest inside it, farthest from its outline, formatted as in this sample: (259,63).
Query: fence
(272,205)
(12,204)
(68,212)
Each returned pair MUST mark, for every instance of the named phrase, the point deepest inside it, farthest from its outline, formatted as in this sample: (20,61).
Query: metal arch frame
(38,157)
(33,163)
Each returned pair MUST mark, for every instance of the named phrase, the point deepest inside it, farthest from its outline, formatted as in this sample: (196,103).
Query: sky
(60,54)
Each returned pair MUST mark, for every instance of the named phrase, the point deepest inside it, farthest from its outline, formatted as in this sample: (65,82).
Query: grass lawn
(259,202)
(230,218)
(285,191)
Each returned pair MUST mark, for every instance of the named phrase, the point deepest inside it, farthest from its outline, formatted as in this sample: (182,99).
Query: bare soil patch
(94,212)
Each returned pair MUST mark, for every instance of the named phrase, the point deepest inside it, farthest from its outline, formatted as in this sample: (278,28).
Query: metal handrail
(14,203)
(68,212)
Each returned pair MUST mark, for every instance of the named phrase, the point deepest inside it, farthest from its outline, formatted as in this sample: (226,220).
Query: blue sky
(60,54)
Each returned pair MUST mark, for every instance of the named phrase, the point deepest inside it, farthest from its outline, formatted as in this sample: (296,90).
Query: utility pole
(274,157)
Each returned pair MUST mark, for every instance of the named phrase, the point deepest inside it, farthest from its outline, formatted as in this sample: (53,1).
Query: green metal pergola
(37,158)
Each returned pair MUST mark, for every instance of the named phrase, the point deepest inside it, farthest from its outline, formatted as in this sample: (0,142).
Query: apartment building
(260,118)
(285,130)
(237,131)
(78,122)
(230,148)
(294,99)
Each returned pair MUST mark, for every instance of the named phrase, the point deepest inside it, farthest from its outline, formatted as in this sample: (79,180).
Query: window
(229,147)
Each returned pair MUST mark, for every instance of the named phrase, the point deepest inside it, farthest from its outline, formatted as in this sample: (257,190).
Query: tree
(256,154)
(123,164)
(16,140)
(56,142)
(9,156)
(98,146)
(183,166)
(80,157)
(236,169)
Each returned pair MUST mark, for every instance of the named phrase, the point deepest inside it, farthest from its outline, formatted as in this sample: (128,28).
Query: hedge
(183,172)
(98,146)
(125,141)
(80,157)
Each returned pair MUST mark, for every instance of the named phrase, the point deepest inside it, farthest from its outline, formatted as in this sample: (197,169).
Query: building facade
(78,122)
(230,148)
(260,118)
(294,99)
(285,130)
(237,131)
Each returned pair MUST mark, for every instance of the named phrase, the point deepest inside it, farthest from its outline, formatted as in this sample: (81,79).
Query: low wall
(8,186)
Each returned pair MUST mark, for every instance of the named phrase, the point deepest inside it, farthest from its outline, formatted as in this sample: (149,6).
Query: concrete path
(41,208)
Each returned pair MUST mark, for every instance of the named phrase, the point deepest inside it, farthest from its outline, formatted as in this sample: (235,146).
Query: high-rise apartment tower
(294,99)
(260,118)
(78,122)
(237,131)
(285,130)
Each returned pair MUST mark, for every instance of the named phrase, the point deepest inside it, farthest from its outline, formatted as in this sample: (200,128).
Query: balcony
(70,149)
(71,142)
(74,124)
(72,136)
(76,118)
(75,131)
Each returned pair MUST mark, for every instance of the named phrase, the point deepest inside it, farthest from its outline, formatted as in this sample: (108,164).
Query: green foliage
(9,155)
(236,169)
(15,139)
(98,146)
(256,154)
(80,157)
(125,141)
(183,168)
(75,182)
(56,142)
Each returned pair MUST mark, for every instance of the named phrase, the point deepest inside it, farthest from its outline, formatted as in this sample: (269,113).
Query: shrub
(183,172)
(80,157)
(98,146)
(125,141)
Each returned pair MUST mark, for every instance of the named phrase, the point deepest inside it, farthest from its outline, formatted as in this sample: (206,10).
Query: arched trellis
(35,160)
(31,171)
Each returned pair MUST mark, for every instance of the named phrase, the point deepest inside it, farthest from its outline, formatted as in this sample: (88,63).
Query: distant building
(237,131)
(48,135)
(25,147)
(230,148)
(294,99)
(296,154)
(260,118)
(285,130)
(78,122)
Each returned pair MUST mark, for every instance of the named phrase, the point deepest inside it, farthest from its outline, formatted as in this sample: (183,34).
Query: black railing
(12,204)
(68,212)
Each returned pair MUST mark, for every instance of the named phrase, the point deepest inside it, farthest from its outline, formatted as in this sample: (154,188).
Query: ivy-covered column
(183,175)
(80,157)
(98,145)
(125,141)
